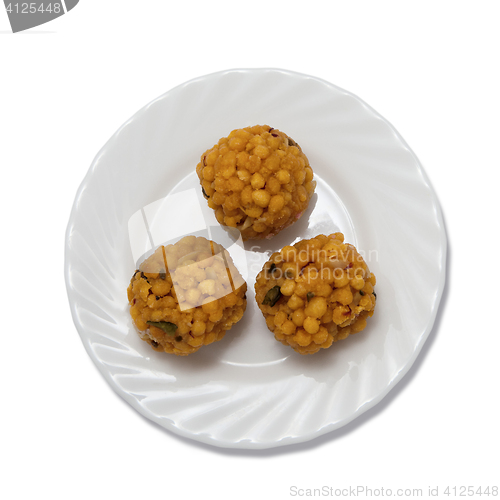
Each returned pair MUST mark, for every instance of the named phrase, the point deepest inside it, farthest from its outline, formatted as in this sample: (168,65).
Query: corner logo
(26,15)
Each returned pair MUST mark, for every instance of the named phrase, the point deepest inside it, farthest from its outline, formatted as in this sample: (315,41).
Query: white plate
(249,391)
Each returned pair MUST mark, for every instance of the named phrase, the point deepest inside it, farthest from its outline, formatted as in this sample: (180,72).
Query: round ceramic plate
(250,391)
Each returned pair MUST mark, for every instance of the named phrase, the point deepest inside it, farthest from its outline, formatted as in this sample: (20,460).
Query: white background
(430,68)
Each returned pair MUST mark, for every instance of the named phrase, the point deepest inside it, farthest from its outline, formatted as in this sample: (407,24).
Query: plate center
(250,343)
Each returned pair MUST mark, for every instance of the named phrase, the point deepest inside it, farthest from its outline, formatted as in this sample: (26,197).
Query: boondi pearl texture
(257,180)
(315,292)
(186,295)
